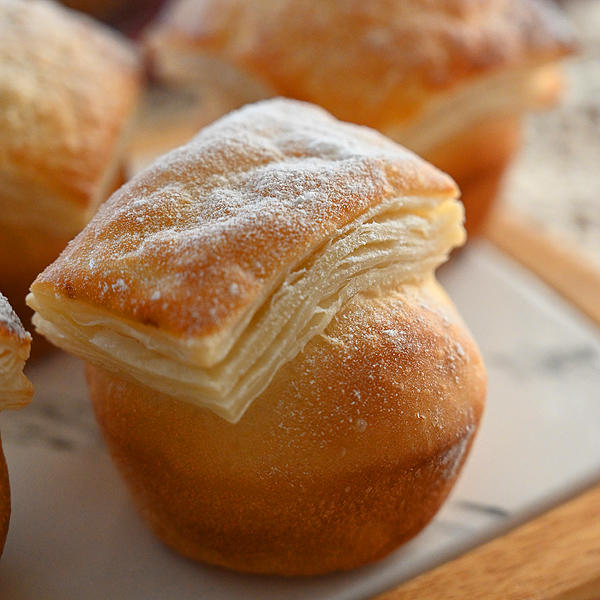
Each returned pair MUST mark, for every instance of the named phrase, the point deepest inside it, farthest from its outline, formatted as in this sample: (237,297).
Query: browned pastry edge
(40,346)
(17,275)
(4,500)
(348,453)
(15,341)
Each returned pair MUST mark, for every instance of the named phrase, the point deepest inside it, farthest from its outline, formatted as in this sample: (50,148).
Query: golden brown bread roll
(15,390)
(449,79)
(281,381)
(68,92)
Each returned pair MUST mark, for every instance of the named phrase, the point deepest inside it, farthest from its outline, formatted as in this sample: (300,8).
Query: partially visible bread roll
(282,383)
(449,79)
(68,91)
(15,391)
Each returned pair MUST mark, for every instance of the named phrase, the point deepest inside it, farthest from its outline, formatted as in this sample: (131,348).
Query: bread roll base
(305,526)
(348,453)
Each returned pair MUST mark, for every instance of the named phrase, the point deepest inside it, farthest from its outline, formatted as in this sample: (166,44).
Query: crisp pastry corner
(15,343)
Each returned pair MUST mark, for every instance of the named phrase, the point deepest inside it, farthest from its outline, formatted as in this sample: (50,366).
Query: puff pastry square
(216,265)
(380,63)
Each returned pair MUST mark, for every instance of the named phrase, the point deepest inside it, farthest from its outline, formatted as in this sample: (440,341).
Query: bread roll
(15,390)
(68,92)
(449,79)
(282,383)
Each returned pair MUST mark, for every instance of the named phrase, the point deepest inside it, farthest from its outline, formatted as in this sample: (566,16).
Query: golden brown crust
(369,62)
(191,242)
(348,453)
(68,88)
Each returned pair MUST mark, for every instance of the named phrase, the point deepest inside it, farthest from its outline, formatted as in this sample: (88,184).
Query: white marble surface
(74,534)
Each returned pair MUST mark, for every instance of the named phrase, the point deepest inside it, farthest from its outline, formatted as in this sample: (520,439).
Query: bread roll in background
(282,383)
(68,90)
(15,391)
(449,79)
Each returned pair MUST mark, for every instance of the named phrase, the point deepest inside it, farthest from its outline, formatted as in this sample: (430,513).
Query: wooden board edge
(554,260)
(553,557)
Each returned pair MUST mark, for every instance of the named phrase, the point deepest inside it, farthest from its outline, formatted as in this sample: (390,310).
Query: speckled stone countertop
(555,180)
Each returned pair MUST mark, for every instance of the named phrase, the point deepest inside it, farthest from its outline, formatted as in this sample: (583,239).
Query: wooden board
(554,557)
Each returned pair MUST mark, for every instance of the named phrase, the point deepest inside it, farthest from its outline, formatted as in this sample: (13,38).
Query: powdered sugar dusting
(203,233)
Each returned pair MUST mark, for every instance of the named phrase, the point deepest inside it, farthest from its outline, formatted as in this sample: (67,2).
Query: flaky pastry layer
(15,342)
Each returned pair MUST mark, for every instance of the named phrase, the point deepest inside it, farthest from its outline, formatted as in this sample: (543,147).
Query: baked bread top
(68,88)
(215,265)
(374,63)
(15,343)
